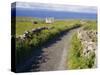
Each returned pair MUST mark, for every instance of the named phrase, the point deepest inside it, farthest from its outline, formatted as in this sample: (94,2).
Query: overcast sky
(57,7)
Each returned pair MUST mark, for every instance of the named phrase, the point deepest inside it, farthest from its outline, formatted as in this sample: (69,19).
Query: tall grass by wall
(75,58)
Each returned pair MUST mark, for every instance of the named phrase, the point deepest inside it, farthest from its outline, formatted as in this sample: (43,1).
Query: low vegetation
(24,24)
(90,25)
(75,58)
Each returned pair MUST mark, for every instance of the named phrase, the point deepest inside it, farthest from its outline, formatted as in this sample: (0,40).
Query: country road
(51,57)
(57,53)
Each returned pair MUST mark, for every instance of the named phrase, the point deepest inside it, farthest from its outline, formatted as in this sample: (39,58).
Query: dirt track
(56,54)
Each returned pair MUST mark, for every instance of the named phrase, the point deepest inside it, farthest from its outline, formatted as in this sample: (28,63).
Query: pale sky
(57,7)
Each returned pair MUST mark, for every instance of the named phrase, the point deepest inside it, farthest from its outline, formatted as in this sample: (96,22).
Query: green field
(90,25)
(21,27)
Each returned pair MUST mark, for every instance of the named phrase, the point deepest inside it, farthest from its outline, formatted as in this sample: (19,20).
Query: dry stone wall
(27,35)
(88,40)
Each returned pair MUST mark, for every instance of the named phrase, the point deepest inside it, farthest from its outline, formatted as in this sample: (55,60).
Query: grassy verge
(75,58)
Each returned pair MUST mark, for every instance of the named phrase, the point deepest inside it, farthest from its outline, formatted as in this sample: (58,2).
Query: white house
(49,20)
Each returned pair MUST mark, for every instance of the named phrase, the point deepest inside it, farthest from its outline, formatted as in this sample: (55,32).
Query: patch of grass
(75,58)
(90,25)
(26,23)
